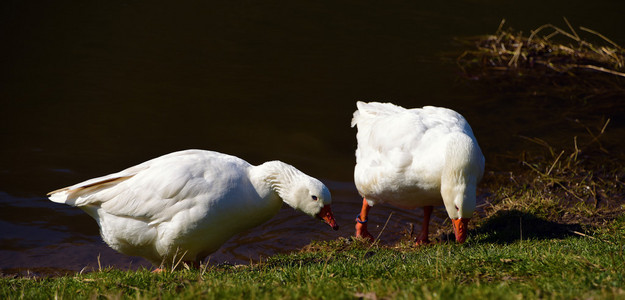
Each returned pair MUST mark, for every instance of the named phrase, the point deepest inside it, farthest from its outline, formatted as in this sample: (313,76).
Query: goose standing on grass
(184,205)
(421,157)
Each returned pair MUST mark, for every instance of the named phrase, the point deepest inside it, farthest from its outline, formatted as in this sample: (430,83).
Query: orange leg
(422,239)
(361,222)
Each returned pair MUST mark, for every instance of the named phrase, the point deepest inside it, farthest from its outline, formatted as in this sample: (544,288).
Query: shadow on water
(508,226)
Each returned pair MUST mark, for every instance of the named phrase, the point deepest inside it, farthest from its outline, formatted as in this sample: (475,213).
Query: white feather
(416,157)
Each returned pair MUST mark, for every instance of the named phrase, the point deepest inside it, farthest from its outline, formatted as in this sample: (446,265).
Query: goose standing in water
(184,205)
(421,157)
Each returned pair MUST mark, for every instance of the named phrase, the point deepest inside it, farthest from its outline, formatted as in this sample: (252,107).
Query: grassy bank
(562,267)
(550,230)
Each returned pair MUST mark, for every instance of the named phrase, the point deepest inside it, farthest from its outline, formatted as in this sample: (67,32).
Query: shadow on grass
(513,225)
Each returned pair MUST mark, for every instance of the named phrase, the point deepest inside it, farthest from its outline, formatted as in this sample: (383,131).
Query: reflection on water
(91,88)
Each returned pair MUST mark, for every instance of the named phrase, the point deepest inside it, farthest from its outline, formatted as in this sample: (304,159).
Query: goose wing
(153,191)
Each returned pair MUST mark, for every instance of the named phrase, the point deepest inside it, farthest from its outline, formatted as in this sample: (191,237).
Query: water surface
(91,88)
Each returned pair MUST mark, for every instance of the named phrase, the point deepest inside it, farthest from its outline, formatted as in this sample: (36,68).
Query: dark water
(87,89)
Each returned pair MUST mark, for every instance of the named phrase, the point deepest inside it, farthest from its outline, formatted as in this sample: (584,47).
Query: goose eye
(314,198)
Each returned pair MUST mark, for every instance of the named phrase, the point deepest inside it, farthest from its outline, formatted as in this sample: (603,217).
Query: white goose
(418,157)
(186,204)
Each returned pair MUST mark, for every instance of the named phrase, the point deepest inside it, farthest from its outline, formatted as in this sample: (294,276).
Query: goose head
(313,198)
(302,192)
(460,208)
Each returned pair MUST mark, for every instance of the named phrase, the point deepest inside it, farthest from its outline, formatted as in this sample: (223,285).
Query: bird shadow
(508,226)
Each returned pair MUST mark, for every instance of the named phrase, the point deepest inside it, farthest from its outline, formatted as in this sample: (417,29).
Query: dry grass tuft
(551,58)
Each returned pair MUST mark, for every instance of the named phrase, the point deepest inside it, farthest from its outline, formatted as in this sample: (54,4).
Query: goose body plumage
(417,157)
(186,204)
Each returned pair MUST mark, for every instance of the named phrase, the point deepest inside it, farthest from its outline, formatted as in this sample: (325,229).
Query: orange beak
(460,229)
(326,215)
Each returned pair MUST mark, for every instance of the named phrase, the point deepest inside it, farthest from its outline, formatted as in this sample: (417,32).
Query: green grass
(569,267)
